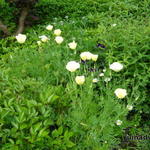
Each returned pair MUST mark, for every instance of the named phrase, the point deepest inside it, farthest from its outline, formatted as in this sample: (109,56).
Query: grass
(41,105)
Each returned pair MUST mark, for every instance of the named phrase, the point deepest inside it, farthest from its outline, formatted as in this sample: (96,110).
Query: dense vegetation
(41,105)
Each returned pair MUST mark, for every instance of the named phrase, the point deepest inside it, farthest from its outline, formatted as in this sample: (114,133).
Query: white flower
(59,39)
(118,122)
(95,80)
(49,27)
(129,107)
(104,70)
(116,66)
(114,24)
(66,17)
(94,57)
(21,38)
(101,74)
(120,93)
(44,38)
(86,55)
(72,66)
(39,43)
(57,32)
(72,45)
(80,80)
(107,79)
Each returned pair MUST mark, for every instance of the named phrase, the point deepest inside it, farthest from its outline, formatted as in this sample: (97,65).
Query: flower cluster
(88,56)
(21,38)
(72,66)
(85,56)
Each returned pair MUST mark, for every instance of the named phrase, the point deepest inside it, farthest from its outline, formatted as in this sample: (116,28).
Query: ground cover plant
(78,79)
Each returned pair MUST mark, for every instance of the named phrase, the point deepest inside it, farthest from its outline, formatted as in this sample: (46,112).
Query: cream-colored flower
(104,70)
(57,32)
(72,66)
(94,57)
(114,24)
(44,38)
(129,107)
(118,122)
(72,45)
(116,66)
(66,17)
(95,80)
(49,27)
(59,39)
(101,74)
(39,43)
(21,38)
(107,79)
(80,79)
(120,93)
(86,56)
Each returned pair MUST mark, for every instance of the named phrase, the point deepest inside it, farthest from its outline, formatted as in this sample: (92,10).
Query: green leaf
(60,130)
(55,133)
(48,122)
(67,134)
(43,133)
(70,144)
(37,126)
(23,126)
(4,113)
